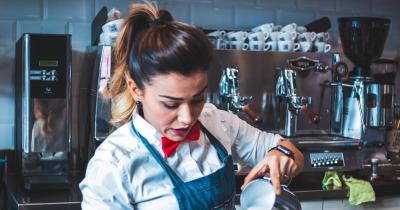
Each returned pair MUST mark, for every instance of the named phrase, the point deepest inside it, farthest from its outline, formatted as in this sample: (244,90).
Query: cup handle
(222,34)
(245,35)
(327,48)
(313,35)
(267,47)
(245,46)
(326,36)
(266,35)
(294,35)
(296,47)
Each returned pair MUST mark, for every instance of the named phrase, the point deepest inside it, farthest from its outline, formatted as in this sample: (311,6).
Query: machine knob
(374,168)
(341,69)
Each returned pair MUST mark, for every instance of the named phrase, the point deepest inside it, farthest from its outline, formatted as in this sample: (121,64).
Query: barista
(172,150)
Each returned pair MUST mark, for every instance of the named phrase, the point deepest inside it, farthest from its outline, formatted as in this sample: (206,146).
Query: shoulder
(118,145)
(210,111)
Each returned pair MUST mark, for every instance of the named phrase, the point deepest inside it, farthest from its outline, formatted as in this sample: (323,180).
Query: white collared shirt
(122,174)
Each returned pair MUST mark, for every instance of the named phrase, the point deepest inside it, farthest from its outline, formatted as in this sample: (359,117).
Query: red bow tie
(169,146)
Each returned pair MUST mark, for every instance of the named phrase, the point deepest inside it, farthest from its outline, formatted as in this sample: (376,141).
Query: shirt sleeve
(249,144)
(104,187)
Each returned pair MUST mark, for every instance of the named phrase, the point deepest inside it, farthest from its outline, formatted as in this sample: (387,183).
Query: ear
(135,91)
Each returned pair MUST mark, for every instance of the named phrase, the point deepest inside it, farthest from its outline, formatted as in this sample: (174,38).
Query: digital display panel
(48,63)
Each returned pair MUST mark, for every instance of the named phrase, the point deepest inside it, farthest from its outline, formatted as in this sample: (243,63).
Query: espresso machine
(362,105)
(43,104)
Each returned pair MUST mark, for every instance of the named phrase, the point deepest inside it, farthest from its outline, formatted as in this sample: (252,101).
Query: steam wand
(229,92)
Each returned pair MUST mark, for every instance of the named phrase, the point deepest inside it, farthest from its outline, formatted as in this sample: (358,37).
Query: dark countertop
(20,199)
(306,186)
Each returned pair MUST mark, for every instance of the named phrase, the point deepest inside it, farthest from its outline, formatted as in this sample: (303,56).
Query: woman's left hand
(278,166)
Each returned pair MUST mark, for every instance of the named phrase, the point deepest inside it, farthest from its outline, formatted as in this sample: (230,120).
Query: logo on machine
(48,91)
(304,63)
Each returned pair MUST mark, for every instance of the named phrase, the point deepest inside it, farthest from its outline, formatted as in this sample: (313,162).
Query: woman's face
(173,102)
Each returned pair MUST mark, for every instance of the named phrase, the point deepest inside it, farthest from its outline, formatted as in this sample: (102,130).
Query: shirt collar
(146,129)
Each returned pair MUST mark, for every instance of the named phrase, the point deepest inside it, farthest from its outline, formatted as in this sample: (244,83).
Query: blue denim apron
(214,191)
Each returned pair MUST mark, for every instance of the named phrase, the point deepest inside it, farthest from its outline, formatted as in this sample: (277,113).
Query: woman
(172,150)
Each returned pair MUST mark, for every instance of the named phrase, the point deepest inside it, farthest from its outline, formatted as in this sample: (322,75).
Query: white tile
(208,16)
(317,4)
(285,16)
(275,4)
(355,6)
(7,136)
(247,18)
(7,32)
(17,9)
(81,34)
(53,27)
(71,9)
(179,10)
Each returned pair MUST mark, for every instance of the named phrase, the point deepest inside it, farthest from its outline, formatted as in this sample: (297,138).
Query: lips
(179,131)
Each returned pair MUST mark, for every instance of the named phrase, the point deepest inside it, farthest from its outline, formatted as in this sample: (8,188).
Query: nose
(185,114)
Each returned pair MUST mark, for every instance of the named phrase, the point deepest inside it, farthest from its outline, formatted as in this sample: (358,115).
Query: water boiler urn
(43,109)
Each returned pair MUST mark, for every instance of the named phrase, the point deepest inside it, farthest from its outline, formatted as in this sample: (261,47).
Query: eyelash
(174,106)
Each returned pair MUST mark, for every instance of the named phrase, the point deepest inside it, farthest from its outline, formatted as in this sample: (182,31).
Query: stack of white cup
(110,32)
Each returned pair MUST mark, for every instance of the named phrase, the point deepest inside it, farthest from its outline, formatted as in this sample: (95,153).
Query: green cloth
(360,191)
(331,179)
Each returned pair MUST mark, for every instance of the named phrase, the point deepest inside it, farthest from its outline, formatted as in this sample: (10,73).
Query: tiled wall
(75,16)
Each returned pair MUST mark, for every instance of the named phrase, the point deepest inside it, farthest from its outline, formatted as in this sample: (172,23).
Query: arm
(252,146)
(104,187)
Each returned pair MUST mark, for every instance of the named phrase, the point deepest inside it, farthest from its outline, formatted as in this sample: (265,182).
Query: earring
(138,104)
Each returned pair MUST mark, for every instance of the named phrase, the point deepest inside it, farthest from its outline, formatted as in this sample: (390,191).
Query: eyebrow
(181,99)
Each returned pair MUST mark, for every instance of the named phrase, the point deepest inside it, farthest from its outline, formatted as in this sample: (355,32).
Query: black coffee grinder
(363,40)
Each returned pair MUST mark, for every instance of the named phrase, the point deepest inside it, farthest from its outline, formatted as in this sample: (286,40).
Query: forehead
(175,84)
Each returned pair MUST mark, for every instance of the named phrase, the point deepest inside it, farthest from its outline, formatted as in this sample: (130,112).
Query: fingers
(259,170)
(276,178)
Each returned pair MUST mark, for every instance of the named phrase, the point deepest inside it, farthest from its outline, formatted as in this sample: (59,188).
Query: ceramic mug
(237,36)
(287,36)
(273,45)
(305,46)
(322,37)
(112,26)
(306,37)
(217,34)
(258,36)
(238,45)
(322,47)
(267,27)
(256,45)
(289,27)
(288,46)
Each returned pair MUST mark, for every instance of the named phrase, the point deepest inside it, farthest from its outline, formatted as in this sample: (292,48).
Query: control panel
(326,159)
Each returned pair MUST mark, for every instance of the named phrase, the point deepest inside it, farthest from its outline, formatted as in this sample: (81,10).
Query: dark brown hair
(152,43)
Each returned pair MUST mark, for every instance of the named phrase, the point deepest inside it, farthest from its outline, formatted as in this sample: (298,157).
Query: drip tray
(324,141)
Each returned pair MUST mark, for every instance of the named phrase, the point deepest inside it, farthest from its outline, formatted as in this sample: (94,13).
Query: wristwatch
(284,150)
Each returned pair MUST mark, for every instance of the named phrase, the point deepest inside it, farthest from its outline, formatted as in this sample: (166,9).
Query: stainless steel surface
(17,198)
(379,105)
(286,91)
(258,77)
(43,93)
(231,98)
(100,103)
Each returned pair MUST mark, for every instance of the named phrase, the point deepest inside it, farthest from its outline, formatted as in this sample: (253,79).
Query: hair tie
(157,21)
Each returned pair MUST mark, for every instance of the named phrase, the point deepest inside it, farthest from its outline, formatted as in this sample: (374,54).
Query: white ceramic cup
(237,36)
(112,26)
(287,36)
(218,43)
(266,27)
(322,47)
(301,29)
(322,37)
(306,37)
(109,38)
(268,46)
(256,45)
(305,46)
(289,27)
(259,194)
(273,44)
(274,36)
(217,34)
(288,46)
(238,45)
(258,36)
